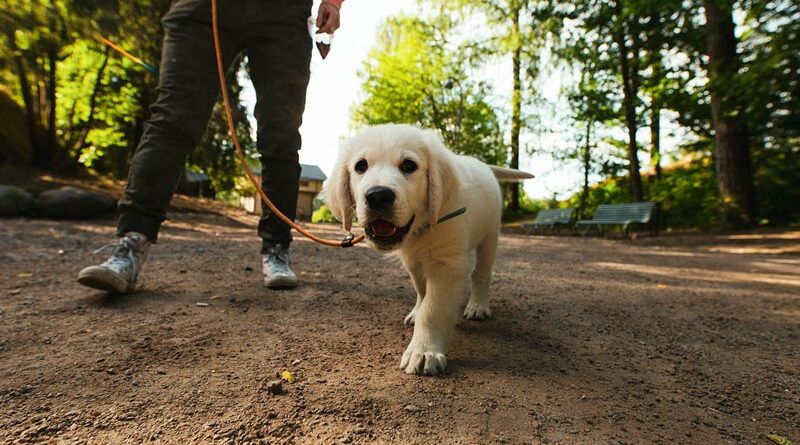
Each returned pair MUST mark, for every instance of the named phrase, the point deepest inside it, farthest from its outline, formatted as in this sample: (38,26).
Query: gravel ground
(674,340)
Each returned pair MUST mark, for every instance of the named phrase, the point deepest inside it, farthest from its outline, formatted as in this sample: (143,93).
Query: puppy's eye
(361,166)
(408,166)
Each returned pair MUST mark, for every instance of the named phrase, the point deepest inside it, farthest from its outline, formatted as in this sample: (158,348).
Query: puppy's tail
(509,175)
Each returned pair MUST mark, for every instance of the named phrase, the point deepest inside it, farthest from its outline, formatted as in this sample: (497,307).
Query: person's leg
(188,87)
(279,54)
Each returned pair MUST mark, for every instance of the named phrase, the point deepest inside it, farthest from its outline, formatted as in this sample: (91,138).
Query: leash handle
(350,239)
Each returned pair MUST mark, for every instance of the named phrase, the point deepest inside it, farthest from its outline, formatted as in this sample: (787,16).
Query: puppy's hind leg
(418,278)
(478,304)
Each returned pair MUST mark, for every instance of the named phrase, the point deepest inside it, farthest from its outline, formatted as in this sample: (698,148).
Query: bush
(15,145)
(527,206)
(777,178)
(687,195)
(323,215)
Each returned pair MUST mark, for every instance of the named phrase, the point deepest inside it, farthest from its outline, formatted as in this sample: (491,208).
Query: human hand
(327,18)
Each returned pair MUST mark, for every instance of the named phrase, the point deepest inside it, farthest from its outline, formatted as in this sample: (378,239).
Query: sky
(334,88)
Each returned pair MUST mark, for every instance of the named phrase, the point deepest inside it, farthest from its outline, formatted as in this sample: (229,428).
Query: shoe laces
(124,250)
(279,254)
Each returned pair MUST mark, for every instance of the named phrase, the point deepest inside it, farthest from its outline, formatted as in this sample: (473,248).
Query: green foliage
(777,180)
(770,80)
(413,77)
(527,207)
(323,215)
(67,102)
(99,99)
(688,195)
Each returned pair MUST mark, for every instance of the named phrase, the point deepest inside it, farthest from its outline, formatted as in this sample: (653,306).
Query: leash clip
(348,240)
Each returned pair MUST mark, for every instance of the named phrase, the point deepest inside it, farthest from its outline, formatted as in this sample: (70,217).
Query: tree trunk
(629,90)
(732,154)
(51,142)
(27,99)
(516,107)
(87,126)
(655,140)
(587,159)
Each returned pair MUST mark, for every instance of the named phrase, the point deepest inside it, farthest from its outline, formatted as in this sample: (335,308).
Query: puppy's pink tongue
(383,228)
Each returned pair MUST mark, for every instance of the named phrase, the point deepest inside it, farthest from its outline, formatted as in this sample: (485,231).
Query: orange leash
(350,239)
(130,56)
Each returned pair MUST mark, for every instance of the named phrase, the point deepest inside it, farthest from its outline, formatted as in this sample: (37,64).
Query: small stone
(135,382)
(411,408)
(201,304)
(111,371)
(127,416)
(248,269)
(160,371)
(275,387)
(296,362)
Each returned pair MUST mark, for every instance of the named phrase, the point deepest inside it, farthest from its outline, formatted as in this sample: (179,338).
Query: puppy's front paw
(423,361)
(477,312)
(409,320)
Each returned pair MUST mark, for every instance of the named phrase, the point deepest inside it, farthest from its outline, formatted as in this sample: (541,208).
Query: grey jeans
(275,36)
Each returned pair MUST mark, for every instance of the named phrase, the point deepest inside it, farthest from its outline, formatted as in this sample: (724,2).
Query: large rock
(15,202)
(74,203)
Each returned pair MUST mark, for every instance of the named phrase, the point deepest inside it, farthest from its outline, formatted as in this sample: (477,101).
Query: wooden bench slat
(639,212)
(554,219)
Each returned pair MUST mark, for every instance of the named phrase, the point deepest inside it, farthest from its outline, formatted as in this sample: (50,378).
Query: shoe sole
(281,283)
(105,280)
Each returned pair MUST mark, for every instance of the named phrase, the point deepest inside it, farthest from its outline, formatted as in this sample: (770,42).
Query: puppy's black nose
(380,198)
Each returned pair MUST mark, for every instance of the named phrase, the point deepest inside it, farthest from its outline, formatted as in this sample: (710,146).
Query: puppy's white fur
(446,261)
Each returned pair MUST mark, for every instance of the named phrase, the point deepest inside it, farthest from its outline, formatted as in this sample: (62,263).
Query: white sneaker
(118,274)
(277,272)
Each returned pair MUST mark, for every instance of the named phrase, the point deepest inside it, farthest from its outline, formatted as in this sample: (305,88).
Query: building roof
(195,176)
(308,172)
(312,173)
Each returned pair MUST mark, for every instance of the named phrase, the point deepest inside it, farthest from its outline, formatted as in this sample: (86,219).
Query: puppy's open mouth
(385,232)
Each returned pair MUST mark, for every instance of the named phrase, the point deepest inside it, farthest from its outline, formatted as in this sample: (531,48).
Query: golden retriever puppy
(407,191)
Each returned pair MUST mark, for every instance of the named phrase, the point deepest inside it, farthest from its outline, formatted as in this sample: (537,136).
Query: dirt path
(593,341)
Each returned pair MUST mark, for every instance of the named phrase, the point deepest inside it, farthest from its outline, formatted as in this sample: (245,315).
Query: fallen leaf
(779,439)
(286,375)
(201,304)
(661,286)
(24,274)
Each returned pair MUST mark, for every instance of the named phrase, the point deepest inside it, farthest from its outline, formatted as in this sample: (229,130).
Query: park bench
(626,215)
(551,219)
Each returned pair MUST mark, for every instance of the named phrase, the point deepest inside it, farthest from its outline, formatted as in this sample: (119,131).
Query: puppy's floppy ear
(337,194)
(441,178)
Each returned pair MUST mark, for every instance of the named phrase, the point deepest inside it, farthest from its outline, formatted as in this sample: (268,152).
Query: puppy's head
(394,178)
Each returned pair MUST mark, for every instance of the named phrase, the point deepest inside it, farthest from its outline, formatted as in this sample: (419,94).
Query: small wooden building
(311,179)
(195,183)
